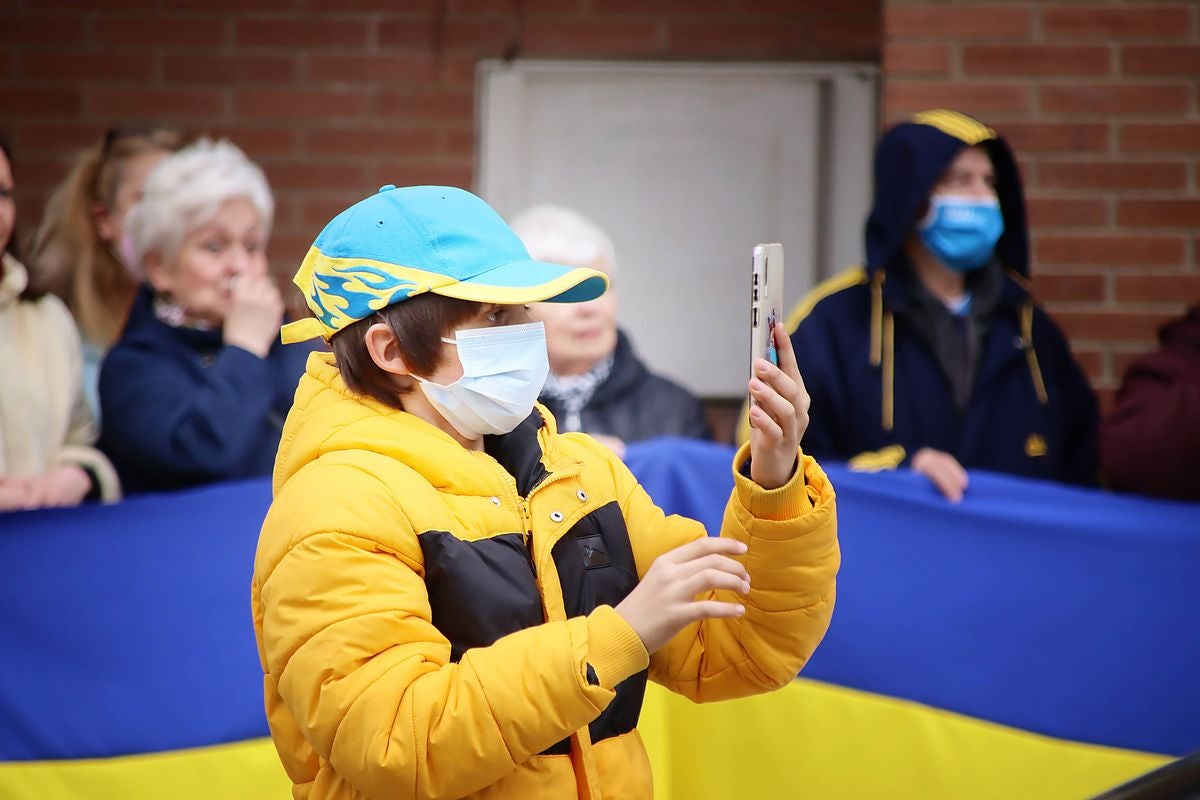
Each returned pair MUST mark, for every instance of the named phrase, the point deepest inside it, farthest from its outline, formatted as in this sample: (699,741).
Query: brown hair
(12,246)
(69,257)
(418,325)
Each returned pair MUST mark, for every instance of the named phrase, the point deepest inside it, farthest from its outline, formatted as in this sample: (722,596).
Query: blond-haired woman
(80,252)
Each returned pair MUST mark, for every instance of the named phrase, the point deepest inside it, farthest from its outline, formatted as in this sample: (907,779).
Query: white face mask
(504,369)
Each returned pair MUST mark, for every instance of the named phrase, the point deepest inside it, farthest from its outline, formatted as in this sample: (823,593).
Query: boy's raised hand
(671,595)
(778,416)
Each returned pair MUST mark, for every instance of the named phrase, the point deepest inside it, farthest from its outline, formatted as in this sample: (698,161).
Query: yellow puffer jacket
(435,622)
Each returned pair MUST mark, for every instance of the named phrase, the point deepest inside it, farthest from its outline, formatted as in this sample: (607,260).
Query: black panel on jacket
(519,453)
(479,591)
(596,568)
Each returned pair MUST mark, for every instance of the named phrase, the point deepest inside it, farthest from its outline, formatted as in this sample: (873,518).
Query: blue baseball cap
(399,243)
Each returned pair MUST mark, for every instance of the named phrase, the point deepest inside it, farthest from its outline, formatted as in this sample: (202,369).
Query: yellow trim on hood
(952,123)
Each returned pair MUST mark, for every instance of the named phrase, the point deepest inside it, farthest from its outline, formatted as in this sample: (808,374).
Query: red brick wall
(1101,100)
(336,97)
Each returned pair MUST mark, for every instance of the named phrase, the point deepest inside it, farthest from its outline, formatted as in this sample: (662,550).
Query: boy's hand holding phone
(778,415)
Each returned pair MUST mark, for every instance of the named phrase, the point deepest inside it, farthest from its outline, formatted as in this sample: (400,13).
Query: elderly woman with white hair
(597,383)
(198,385)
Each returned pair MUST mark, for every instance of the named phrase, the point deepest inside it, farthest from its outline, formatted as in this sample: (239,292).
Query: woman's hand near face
(255,314)
(779,415)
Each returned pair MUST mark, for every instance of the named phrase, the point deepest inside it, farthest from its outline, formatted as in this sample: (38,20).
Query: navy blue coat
(1005,428)
(879,393)
(181,408)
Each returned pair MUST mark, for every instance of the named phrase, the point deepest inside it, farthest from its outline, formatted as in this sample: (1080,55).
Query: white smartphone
(766,301)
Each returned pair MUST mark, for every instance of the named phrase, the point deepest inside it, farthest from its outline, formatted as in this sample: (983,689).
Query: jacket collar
(328,417)
(143,318)
(520,453)
(627,372)
(994,286)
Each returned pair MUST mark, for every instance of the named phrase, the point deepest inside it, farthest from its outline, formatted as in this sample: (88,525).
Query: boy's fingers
(713,609)
(778,380)
(784,351)
(779,408)
(711,579)
(717,562)
(761,421)
(790,366)
(703,546)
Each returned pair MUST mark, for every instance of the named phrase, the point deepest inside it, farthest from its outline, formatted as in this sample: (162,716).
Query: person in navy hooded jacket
(934,356)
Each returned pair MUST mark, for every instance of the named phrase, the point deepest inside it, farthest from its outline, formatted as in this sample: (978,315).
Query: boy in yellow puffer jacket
(451,599)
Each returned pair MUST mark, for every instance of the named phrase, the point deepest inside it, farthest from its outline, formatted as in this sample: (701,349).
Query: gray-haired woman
(197,387)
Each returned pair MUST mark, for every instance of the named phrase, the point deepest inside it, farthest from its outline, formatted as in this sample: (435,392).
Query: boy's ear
(384,349)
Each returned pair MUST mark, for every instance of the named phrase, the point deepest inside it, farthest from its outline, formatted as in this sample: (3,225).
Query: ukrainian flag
(1036,641)
(129,664)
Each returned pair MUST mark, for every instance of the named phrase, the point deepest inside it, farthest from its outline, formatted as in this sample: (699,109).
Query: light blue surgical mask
(504,369)
(962,231)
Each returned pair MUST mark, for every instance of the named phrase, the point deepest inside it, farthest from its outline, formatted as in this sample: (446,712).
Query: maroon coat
(1150,443)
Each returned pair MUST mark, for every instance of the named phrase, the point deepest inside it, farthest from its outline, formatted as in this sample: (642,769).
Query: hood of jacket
(910,159)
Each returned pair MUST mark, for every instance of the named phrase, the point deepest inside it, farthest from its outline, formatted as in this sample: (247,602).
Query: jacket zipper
(526,525)
(522,505)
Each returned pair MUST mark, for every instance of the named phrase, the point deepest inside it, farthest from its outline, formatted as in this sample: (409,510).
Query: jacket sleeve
(1151,436)
(1077,411)
(365,673)
(78,450)
(78,445)
(792,558)
(826,386)
(156,415)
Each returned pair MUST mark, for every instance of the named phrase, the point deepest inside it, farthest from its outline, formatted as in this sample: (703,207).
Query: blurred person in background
(46,429)
(597,384)
(81,251)
(1150,443)
(935,356)
(197,387)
